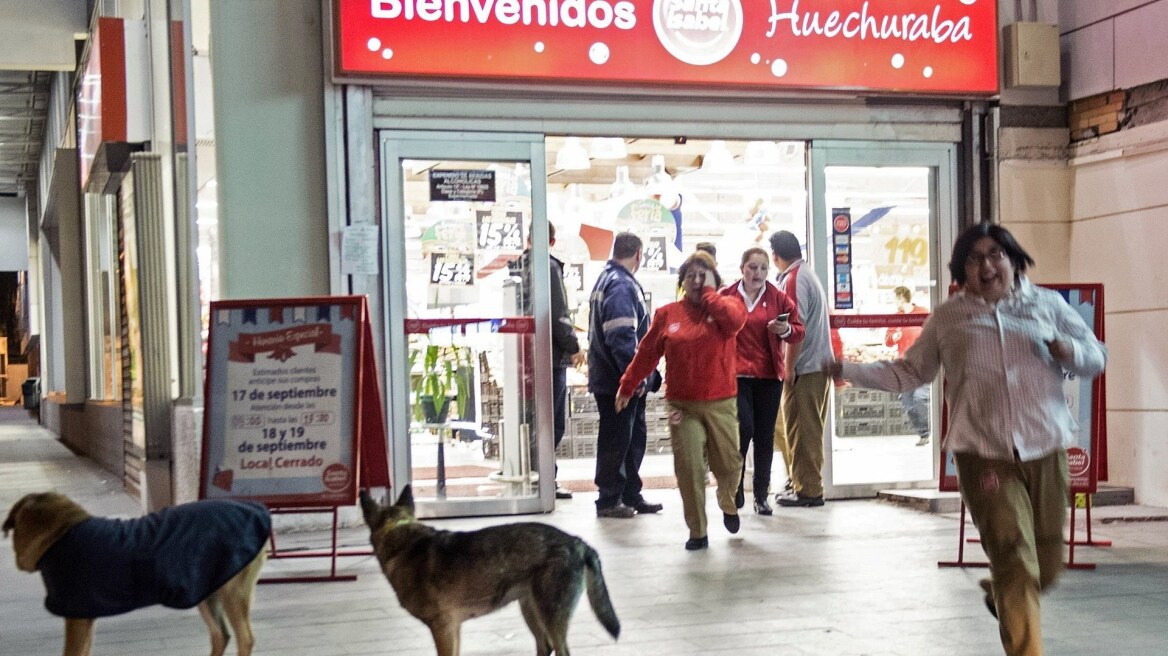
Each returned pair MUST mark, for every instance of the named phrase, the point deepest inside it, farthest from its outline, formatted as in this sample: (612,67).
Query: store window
(674,194)
(105,352)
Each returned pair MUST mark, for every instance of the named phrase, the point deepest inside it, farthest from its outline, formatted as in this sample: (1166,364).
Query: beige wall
(1119,235)
(1102,216)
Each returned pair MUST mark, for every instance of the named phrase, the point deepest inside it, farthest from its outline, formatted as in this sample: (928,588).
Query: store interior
(674,194)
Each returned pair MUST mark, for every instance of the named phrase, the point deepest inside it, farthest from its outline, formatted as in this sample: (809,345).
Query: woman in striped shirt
(1005,346)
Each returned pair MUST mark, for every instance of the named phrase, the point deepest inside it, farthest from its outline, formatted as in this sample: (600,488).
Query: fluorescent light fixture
(717,158)
(659,181)
(622,186)
(608,148)
(572,156)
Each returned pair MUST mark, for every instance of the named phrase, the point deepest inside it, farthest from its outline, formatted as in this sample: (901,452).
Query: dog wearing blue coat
(206,554)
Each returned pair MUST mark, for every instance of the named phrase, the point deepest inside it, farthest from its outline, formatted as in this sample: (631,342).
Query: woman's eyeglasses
(992,256)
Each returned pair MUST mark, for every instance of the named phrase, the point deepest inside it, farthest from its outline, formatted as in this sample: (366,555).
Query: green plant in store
(446,376)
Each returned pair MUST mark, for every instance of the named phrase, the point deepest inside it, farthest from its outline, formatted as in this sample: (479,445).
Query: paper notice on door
(359,250)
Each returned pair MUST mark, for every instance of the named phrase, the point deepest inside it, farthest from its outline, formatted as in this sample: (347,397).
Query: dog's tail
(598,593)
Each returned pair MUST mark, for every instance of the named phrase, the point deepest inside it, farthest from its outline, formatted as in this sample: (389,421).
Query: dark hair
(751,252)
(707,247)
(786,245)
(625,245)
(964,246)
(703,258)
(551,231)
(903,292)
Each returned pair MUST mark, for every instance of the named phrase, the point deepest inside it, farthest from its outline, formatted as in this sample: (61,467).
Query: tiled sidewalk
(851,578)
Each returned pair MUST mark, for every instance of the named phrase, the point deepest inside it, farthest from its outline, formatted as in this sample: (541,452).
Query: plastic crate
(565,449)
(584,427)
(860,427)
(584,447)
(864,411)
(583,404)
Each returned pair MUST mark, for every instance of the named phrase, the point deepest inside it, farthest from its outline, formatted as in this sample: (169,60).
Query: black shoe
(619,510)
(694,544)
(563,493)
(761,507)
(740,497)
(797,500)
(731,522)
(988,586)
(645,508)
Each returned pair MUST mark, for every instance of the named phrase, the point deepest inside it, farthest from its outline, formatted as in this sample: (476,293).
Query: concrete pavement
(851,578)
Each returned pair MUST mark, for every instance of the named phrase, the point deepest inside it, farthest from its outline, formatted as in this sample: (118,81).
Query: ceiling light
(761,153)
(608,148)
(622,186)
(659,181)
(572,156)
(718,157)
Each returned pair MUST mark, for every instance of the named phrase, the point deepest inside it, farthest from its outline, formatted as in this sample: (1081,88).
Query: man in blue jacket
(618,321)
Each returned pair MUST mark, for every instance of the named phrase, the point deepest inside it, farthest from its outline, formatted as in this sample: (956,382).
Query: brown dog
(445,577)
(207,553)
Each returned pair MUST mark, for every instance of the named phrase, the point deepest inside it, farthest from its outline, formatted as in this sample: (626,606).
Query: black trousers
(620,448)
(758,409)
(559,406)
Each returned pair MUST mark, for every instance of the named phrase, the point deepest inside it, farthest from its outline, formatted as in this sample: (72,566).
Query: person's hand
(622,402)
(778,326)
(710,280)
(579,359)
(1060,349)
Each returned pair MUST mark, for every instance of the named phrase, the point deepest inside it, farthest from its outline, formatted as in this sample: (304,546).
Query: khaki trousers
(704,432)
(1020,511)
(804,413)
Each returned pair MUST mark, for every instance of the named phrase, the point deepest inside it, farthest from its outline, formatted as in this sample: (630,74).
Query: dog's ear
(10,522)
(37,521)
(370,508)
(406,499)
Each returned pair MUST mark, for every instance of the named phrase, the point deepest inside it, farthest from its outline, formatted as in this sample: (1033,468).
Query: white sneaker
(924,441)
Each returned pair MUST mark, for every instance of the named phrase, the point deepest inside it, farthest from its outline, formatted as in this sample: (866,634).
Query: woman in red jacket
(696,335)
(771,319)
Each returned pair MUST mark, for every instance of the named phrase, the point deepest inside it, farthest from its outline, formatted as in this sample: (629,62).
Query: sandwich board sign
(1087,455)
(293,415)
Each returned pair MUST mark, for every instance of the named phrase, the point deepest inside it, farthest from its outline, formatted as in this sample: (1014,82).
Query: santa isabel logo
(698,32)
(599,14)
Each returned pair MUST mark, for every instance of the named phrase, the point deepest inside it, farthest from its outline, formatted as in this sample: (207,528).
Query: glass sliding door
(881,224)
(470,393)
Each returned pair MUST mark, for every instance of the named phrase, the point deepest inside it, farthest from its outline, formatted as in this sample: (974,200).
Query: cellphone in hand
(784,316)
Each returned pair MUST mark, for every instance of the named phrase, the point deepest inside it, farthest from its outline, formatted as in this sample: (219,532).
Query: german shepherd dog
(445,577)
(207,553)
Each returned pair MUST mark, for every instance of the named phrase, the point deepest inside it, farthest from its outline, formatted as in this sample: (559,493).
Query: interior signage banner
(909,46)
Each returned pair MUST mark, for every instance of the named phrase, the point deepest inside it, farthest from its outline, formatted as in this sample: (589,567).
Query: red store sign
(917,46)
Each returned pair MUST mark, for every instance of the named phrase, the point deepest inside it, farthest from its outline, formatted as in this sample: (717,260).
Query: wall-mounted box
(1030,55)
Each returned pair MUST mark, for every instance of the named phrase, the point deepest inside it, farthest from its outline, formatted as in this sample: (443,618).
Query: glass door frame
(395,146)
(941,159)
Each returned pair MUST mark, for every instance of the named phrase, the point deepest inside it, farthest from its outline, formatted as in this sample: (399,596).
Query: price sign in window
(500,231)
(653,257)
(454,269)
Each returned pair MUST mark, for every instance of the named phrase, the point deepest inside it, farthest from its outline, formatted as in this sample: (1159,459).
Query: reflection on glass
(471,368)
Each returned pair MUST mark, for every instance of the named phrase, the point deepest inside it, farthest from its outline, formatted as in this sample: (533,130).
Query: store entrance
(470,398)
(881,228)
